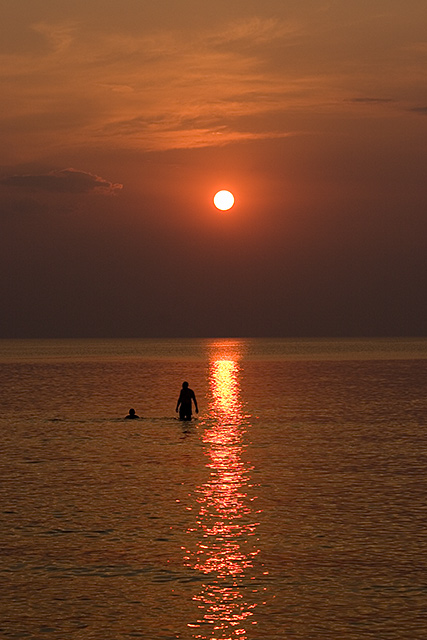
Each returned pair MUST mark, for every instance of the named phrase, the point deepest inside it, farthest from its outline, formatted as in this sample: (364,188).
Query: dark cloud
(371,100)
(63,181)
(422,110)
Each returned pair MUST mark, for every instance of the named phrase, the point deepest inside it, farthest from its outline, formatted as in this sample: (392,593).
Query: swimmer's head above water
(132,415)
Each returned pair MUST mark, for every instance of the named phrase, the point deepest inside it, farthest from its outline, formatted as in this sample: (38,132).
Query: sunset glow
(258,167)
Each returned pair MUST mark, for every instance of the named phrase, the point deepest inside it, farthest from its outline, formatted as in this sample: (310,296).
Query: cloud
(147,91)
(371,100)
(63,181)
(166,87)
(254,31)
(422,110)
(59,36)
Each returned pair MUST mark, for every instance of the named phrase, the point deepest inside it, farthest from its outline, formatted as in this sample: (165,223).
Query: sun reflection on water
(225,544)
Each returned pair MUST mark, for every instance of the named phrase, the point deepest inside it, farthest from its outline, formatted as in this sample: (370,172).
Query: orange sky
(119,122)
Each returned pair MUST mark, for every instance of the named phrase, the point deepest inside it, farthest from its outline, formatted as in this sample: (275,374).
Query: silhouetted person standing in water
(186,397)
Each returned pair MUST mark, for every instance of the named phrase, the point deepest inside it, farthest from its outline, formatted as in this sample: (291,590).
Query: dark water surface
(294,507)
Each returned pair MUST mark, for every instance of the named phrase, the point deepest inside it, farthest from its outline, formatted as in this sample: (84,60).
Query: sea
(293,506)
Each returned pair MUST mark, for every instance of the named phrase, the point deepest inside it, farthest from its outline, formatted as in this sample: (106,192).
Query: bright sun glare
(223,200)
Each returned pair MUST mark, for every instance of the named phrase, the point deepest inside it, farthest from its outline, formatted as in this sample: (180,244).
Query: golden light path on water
(226,544)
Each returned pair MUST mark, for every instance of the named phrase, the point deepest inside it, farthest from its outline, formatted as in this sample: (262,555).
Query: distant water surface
(293,507)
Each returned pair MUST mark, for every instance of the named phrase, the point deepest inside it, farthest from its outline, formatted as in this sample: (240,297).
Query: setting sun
(223,200)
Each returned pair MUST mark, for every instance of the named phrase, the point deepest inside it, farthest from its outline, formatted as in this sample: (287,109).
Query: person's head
(185,385)
(131,412)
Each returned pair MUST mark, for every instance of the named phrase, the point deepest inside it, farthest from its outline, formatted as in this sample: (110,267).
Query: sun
(223,200)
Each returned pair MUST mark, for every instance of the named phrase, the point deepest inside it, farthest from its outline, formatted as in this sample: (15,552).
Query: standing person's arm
(195,402)
(178,403)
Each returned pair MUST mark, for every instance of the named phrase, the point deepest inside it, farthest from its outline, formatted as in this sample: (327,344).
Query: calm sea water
(294,507)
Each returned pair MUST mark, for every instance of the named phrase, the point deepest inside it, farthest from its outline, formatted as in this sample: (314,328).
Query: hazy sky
(120,120)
